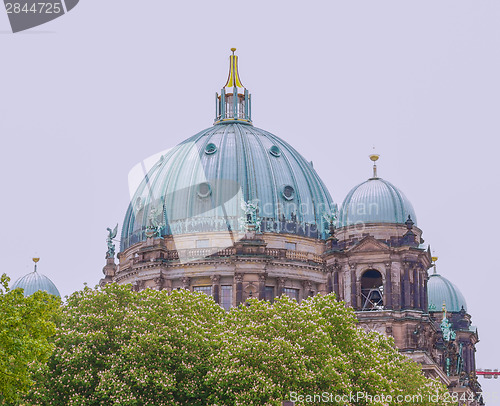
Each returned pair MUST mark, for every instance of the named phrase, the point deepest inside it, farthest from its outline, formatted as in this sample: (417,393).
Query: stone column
(281,284)
(354,296)
(388,286)
(167,285)
(216,288)
(466,356)
(329,282)
(423,277)
(336,285)
(262,285)
(426,297)
(238,277)
(306,289)
(336,282)
(416,284)
(406,291)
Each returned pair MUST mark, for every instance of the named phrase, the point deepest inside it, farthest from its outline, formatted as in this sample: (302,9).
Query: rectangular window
(207,290)
(291,293)
(291,246)
(202,243)
(269,293)
(226,296)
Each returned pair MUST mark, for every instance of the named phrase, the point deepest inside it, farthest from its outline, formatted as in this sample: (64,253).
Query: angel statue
(251,221)
(154,227)
(446,328)
(331,219)
(111,246)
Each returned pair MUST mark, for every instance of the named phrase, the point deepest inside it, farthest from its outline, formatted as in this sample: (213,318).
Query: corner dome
(441,291)
(375,201)
(34,282)
(227,175)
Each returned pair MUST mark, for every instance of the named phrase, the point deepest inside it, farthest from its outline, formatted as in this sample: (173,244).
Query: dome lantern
(234,102)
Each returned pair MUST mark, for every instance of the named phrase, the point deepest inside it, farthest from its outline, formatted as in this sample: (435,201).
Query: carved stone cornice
(263,277)
(215,279)
(238,276)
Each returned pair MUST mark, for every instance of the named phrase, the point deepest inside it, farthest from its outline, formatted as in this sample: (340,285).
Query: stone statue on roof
(111,246)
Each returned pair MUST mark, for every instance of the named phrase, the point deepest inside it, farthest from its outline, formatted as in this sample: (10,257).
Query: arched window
(372,290)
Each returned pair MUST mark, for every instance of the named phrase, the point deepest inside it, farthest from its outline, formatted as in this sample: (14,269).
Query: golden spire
(434,260)
(234,77)
(444,308)
(35,260)
(374,158)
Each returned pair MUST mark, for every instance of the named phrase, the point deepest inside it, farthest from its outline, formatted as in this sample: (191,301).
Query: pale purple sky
(88,96)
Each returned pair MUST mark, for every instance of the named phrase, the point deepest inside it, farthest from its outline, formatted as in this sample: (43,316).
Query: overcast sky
(89,95)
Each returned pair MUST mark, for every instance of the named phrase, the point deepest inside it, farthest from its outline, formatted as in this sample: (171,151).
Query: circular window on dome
(288,192)
(210,149)
(204,190)
(275,151)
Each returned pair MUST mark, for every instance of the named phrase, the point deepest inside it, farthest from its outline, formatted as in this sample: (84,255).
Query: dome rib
(267,159)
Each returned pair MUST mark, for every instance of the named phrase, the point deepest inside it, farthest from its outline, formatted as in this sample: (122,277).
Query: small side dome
(441,291)
(375,201)
(34,282)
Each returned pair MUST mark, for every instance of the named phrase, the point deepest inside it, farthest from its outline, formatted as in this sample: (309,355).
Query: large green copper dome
(200,185)
(211,181)
(441,291)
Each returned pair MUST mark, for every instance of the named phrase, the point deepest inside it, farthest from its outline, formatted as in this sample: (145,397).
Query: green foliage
(25,329)
(118,347)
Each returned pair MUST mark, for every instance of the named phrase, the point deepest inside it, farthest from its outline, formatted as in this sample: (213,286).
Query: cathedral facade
(237,213)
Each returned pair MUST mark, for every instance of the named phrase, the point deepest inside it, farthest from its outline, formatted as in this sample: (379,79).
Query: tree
(115,346)
(26,327)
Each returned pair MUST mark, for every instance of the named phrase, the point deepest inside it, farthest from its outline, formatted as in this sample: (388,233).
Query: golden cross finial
(374,158)
(35,260)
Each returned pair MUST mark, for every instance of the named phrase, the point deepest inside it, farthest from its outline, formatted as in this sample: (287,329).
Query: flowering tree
(118,347)
(25,329)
